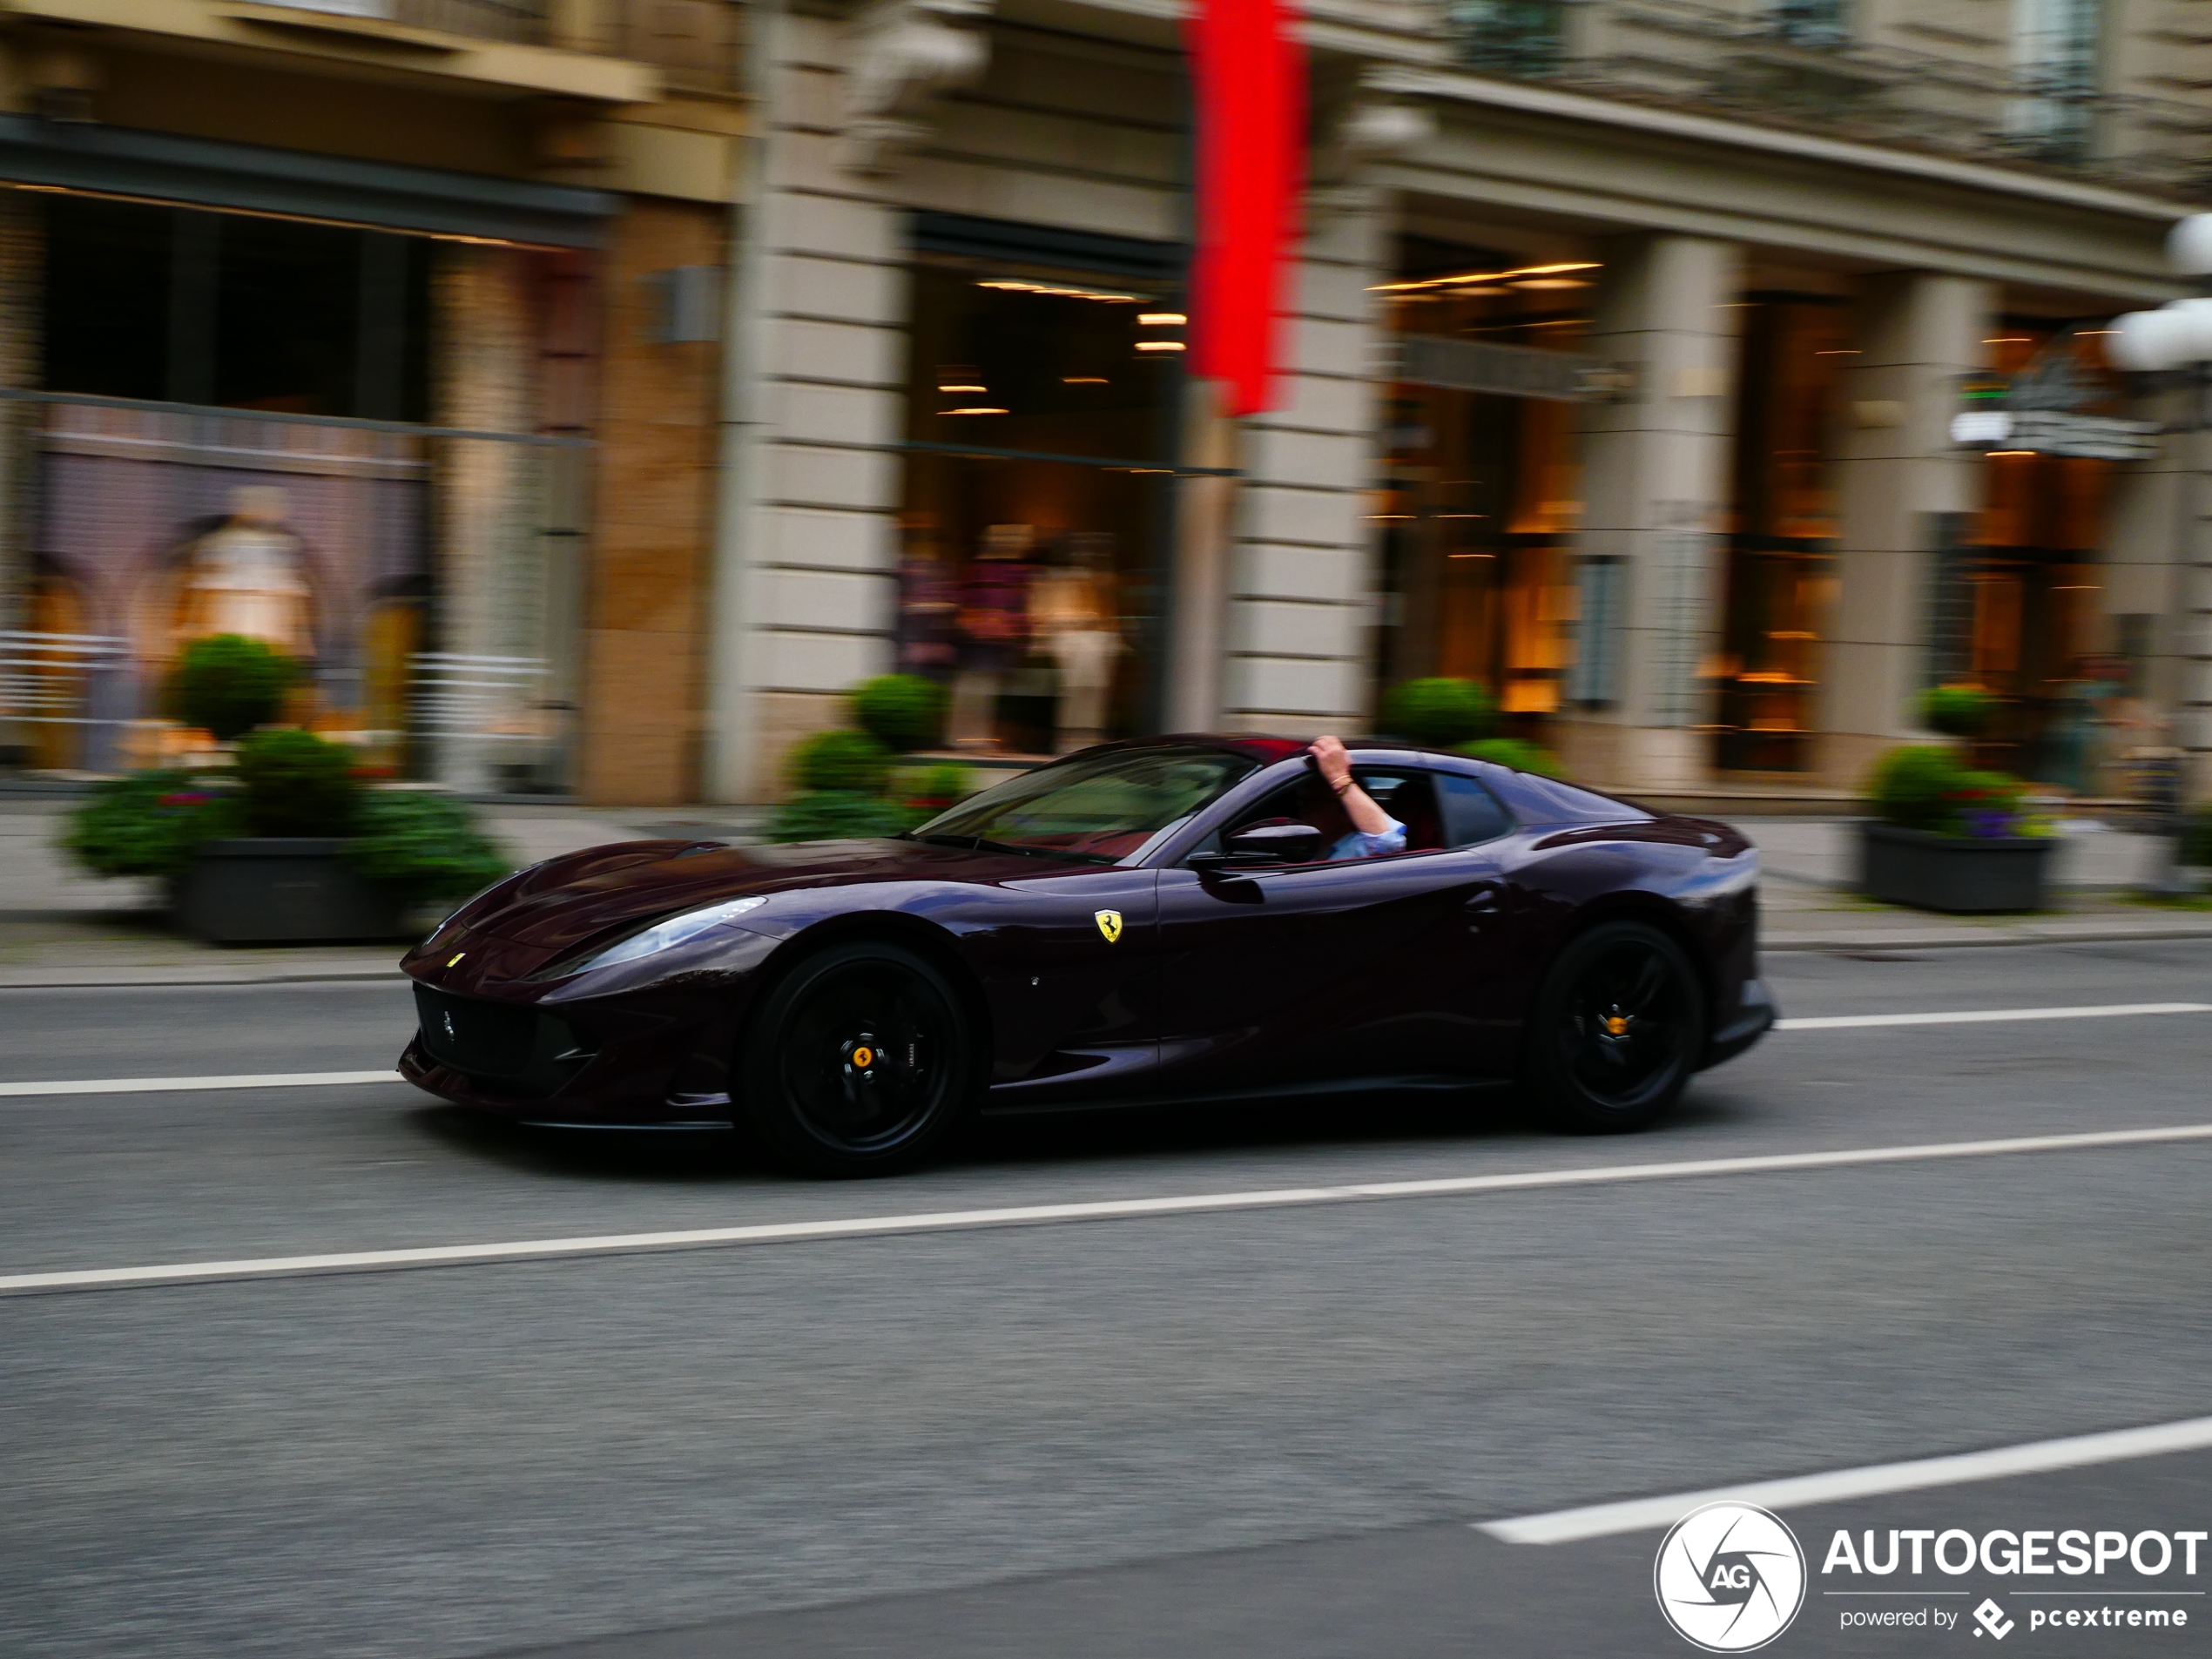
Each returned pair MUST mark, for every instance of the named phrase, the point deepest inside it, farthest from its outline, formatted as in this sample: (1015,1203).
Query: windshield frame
(1237,768)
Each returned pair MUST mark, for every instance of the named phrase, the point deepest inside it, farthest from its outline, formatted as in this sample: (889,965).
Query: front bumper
(1754,1016)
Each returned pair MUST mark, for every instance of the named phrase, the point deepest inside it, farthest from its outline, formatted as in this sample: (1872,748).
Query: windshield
(1099,808)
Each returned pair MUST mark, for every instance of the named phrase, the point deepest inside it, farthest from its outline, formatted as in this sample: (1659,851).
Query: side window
(1409,797)
(1472,814)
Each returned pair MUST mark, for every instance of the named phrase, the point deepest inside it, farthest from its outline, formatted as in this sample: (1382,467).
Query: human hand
(1329,754)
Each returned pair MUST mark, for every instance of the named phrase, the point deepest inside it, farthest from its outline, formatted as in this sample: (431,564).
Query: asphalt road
(1224,1432)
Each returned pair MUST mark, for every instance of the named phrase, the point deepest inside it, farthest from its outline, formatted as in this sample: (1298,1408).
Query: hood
(567,901)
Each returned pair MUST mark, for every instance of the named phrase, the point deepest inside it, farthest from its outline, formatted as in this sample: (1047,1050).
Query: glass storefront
(233,437)
(1480,491)
(1036,513)
(1781,579)
(2030,625)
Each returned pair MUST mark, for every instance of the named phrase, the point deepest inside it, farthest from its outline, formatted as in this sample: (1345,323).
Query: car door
(1324,972)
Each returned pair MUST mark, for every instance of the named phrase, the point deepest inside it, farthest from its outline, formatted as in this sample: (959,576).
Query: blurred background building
(591,390)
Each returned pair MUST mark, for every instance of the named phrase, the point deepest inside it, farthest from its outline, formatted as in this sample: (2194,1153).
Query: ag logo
(1110,923)
(1729,1577)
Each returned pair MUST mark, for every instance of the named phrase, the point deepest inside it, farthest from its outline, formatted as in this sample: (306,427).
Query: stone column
(806,564)
(1655,488)
(1198,595)
(1898,476)
(1301,576)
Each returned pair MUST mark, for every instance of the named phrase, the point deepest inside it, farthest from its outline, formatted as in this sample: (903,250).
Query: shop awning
(242,177)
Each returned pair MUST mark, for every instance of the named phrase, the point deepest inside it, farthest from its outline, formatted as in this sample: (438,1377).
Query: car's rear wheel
(858,1062)
(1617,1031)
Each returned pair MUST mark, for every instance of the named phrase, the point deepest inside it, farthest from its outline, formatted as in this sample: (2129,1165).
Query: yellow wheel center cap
(1617,1025)
(864,1057)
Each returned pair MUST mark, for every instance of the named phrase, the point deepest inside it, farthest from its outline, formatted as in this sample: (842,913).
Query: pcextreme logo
(1729,1577)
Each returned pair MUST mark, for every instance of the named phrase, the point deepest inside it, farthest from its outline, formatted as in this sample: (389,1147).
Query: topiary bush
(1957,710)
(850,763)
(1517,752)
(1440,712)
(227,684)
(423,843)
(929,790)
(1911,786)
(293,783)
(837,815)
(149,823)
(901,711)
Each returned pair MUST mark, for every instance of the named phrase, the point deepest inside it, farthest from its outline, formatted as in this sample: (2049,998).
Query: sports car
(1158,922)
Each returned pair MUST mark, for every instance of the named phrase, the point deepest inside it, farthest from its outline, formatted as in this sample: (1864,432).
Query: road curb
(1962,939)
(120,978)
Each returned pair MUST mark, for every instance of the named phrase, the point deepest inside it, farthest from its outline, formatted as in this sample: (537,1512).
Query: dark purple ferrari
(1154,921)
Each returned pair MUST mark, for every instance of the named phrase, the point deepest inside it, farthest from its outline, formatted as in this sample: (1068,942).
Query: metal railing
(1904,78)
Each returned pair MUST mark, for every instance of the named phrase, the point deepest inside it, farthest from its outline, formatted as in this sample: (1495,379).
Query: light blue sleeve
(1361,845)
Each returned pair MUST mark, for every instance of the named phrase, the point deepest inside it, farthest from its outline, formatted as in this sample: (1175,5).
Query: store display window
(1480,491)
(1780,567)
(1037,508)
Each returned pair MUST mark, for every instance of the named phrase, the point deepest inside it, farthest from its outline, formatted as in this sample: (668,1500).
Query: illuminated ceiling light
(1853,351)
(975,411)
(1163,320)
(2010,340)
(1082,380)
(1553,282)
(1464,277)
(963,388)
(1057,291)
(1159,344)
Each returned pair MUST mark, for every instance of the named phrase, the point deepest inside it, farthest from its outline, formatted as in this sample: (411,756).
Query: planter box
(266,890)
(1957,873)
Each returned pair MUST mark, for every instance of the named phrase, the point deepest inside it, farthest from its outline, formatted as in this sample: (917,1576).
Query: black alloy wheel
(858,1062)
(1617,1031)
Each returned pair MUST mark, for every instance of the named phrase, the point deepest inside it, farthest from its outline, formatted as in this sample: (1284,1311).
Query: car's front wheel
(1618,1029)
(859,1061)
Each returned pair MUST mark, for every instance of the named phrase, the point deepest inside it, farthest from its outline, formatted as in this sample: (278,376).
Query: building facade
(601,388)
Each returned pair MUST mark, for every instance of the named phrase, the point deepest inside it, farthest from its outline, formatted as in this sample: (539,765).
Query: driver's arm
(1358,805)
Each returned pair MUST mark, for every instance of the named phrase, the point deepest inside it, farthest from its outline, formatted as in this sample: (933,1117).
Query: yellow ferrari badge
(1110,923)
(457,956)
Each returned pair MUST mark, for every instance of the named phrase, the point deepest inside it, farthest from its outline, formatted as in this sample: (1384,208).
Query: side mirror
(1277,840)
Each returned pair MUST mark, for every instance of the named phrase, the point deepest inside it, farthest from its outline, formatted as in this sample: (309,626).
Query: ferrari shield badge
(1110,923)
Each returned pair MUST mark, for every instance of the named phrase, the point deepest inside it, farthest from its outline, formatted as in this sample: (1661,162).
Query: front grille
(484,1039)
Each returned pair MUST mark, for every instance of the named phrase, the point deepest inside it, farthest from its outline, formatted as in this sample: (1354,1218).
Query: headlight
(662,935)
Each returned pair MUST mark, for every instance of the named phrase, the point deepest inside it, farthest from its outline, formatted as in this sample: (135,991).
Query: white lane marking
(1820,1022)
(1099,1209)
(1979,1016)
(165,1085)
(1795,1492)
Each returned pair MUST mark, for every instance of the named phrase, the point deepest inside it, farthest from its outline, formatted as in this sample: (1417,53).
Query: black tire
(858,1063)
(1617,1031)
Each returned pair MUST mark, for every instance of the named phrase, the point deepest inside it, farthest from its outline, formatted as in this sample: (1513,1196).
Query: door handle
(1483,903)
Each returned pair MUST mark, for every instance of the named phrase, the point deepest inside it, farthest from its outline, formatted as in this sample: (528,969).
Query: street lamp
(2176,338)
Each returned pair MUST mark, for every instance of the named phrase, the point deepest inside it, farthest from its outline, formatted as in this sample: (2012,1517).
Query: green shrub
(901,711)
(228,685)
(1957,710)
(1438,713)
(1517,752)
(934,787)
(296,784)
(149,823)
(842,762)
(1911,786)
(837,815)
(424,843)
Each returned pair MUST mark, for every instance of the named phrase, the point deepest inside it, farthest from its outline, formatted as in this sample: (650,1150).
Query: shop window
(1035,496)
(1480,490)
(1781,581)
(235,311)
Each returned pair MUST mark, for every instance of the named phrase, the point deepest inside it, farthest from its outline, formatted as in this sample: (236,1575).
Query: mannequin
(1071,613)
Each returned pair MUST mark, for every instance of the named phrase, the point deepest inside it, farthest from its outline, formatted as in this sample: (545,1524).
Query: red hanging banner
(1248,74)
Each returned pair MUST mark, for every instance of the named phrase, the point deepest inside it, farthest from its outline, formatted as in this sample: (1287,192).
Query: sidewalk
(59,927)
